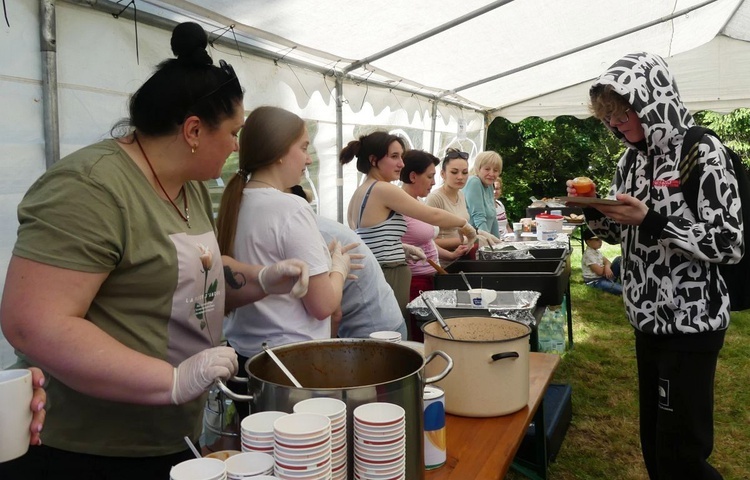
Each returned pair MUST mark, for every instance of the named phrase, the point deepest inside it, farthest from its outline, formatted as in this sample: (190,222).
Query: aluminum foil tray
(520,250)
(516,305)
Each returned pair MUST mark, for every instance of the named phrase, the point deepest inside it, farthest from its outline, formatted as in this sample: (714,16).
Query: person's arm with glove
(43,315)
(468,234)
(249,283)
(413,253)
(196,374)
(486,238)
(326,289)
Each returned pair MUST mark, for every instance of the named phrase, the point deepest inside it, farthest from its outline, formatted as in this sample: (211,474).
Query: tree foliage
(539,156)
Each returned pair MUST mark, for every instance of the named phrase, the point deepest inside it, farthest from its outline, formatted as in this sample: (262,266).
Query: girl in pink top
(418,177)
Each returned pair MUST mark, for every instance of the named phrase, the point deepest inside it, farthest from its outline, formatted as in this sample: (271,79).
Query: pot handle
(448,368)
(234,396)
(500,356)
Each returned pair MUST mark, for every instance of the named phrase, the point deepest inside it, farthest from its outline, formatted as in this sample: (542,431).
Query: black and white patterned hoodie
(667,259)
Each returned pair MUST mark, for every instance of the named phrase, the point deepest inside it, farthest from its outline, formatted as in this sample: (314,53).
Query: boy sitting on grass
(597,270)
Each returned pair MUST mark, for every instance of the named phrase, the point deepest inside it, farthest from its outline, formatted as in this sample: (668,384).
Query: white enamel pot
(490,355)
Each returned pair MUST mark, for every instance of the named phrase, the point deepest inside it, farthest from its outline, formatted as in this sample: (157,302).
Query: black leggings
(676,393)
(42,463)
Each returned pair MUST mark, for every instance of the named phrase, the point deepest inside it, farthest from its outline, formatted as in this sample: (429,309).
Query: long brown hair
(375,144)
(268,134)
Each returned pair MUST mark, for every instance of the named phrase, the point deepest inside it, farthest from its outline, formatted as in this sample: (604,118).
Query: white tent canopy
(436,71)
(491,56)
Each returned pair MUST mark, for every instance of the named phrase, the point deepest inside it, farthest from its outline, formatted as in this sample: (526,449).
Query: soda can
(434,427)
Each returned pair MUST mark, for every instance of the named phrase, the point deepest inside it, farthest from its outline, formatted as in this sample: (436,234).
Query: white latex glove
(468,234)
(490,238)
(413,253)
(341,259)
(287,276)
(195,375)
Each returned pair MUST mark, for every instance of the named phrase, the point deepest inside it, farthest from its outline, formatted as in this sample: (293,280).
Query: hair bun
(189,42)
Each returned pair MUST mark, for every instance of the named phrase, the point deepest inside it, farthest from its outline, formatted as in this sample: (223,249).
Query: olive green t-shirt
(95,211)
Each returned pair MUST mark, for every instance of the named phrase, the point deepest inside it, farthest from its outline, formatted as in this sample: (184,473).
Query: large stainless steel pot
(491,364)
(356,371)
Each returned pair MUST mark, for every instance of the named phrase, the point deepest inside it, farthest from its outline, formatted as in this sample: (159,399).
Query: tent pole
(48,50)
(433,126)
(339,145)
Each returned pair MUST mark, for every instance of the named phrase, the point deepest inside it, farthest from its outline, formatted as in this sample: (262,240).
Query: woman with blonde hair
(377,208)
(480,192)
(260,223)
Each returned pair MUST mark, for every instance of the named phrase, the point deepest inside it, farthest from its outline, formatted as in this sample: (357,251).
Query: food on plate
(583,185)
(574,218)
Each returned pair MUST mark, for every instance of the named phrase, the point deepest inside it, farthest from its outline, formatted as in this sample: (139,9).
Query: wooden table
(484,448)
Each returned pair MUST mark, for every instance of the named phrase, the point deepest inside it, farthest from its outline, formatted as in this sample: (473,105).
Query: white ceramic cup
(482,297)
(16,391)
(517,230)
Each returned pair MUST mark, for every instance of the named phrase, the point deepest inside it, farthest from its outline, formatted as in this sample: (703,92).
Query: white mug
(482,297)
(16,391)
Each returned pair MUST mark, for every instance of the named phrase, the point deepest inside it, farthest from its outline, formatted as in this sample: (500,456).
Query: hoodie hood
(645,81)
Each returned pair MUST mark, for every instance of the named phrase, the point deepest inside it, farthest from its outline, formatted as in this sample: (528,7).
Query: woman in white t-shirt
(258,222)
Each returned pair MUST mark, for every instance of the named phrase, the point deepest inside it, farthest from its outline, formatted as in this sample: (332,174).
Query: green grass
(602,440)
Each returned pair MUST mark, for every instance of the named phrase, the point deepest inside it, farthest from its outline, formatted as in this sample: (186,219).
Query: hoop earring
(192,149)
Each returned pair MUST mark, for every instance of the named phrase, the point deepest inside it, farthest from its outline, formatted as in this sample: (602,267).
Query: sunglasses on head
(231,79)
(456,154)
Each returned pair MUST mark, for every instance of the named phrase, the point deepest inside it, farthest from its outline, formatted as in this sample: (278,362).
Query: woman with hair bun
(377,208)
(117,288)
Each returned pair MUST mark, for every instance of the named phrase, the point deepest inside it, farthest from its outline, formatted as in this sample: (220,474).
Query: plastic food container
(548,226)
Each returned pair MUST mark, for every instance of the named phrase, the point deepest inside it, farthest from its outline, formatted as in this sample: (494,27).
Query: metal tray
(549,277)
(525,251)
(515,305)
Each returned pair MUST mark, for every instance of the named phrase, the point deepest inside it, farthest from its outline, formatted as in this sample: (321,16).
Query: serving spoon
(281,366)
(439,317)
(466,280)
(192,447)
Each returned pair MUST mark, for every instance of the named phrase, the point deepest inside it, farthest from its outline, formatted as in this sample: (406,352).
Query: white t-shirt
(591,257)
(274,226)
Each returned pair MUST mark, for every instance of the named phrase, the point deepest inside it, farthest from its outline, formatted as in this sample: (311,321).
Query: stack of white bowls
(335,410)
(379,441)
(386,336)
(302,446)
(199,469)
(257,431)
(249,465)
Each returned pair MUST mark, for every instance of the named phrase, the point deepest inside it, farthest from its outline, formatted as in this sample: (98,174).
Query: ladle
(466,280)
(439,317)
(192,447)
(281,365)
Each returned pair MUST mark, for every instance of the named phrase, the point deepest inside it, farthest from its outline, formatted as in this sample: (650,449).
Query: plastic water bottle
(558,333)
(544,331)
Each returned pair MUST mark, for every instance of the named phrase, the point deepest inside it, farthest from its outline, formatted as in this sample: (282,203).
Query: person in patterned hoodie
(669,259)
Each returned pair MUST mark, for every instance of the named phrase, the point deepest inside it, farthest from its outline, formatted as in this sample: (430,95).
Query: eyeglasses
(622,118)
(456,154)
(232,78)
